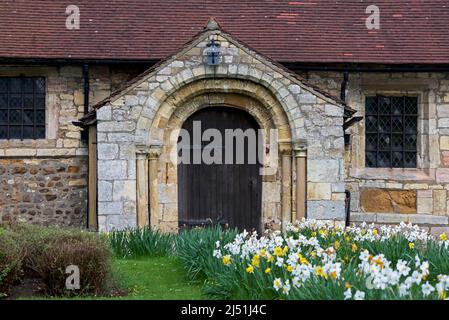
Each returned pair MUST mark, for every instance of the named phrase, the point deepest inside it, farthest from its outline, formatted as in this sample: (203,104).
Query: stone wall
(392,195)
(44,191)
(45,180)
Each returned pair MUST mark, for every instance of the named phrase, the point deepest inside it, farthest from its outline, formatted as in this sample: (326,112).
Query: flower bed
(315,260)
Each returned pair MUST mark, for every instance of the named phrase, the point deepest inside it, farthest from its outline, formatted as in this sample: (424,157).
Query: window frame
(23,94)
(396,155)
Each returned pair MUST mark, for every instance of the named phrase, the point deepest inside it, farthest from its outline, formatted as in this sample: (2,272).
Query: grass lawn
(155,278)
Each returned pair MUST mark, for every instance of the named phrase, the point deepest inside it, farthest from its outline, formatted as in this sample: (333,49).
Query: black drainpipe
(348,208)
(85,132)
(344,85)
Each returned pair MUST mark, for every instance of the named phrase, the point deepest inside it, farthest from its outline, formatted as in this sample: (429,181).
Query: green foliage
(194,249)
(134,243)
(11,256)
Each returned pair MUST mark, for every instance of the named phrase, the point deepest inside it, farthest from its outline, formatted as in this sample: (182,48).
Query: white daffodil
(427,289)
(348,294)
(359,295)
(277,284)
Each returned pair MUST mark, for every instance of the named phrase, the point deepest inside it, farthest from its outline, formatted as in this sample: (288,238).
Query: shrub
(90,255)
(141,243)
(10,261)
(47,251)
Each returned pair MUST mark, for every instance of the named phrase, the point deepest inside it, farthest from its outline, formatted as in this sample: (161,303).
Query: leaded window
(391,132)
(22,108)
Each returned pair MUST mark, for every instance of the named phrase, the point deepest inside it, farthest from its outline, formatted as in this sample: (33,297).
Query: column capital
(285,148)
(300,149)
(154,151)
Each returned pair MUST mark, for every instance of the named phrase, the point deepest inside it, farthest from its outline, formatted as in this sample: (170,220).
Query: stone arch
(234,93)
(249,96)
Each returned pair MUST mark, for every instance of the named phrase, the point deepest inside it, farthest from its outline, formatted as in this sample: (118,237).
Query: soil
(27,288)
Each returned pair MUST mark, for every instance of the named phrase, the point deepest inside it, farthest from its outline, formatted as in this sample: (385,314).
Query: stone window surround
(426,108)
(48,147)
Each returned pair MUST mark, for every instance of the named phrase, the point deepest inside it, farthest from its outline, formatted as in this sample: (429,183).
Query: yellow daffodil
(375,232)
(255,261)
(334,274)
(263,252)
(250,269)
(270,258)
(347,239)
(313,254)
(303,260)
(347,285)
(268,270)
(354,247)
(336,244)
(443,237)
(226,260)
(442,295)
(319,271)
(411,245)
(285,251)
(278,251)
(314,234)
(289,268)
(379,262)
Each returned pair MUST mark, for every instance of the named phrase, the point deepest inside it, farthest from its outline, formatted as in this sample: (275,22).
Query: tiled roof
(413,31)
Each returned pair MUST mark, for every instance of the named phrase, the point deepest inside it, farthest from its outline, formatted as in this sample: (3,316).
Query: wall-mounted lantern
(213,53)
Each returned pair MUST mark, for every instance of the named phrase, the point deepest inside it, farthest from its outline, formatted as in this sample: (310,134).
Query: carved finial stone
(212,25)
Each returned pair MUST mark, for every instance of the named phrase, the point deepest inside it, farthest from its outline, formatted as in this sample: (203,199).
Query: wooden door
(226,194)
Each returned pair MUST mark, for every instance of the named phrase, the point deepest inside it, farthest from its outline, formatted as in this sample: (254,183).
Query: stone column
(153,156)
(286,185)
(142,190)
(301,181)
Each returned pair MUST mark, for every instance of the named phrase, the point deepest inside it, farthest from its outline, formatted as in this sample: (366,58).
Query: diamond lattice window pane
(410,160)
(371,142)
(370,159)
(3,117)
(384,105)
(3,85)
(411,105)
(15,116)
(3,101)
(384,124)
(371,105)
(397,124)
(15,132)
(397,105)
(391,131)
(39,85)
(371,124)
(40,117)
(15,85)
(397,142)
(28,117)
(28,132)
(3,132)
(384,159)
(384,142)
(410,142)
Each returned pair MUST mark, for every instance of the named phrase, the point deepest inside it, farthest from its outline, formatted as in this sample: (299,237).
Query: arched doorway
(225,187)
